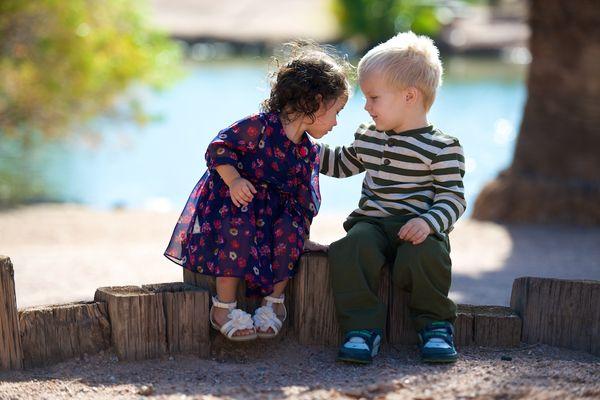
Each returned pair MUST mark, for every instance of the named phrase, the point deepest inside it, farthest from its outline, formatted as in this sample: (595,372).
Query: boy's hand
(241,191)
(415,231)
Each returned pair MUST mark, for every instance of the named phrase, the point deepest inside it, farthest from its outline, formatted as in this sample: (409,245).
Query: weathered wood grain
(55,333)
(185,308)
(137,322)
(558,312)
(11,354)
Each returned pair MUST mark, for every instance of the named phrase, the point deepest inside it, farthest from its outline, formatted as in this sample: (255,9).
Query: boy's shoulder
(443,139)
(367,129)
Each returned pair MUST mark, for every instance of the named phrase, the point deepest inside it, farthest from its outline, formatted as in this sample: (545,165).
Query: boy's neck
(412,122)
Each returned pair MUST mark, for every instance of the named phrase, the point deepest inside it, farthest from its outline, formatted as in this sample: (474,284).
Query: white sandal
(238,320)
(265,318)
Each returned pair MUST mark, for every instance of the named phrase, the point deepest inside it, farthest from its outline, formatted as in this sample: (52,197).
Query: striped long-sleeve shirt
(417,172)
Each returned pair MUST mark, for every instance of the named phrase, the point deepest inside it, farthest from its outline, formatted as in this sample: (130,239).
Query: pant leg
(425,271)
(355,263)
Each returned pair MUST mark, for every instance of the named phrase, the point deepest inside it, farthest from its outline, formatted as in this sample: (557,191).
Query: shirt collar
(418,131)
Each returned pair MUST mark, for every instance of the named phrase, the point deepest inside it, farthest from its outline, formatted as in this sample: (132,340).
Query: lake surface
(156,166)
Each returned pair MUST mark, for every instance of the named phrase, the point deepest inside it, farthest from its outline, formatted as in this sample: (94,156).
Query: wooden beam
(11,354)
(558,312)
(186,316)
(51,334)
(492,326)
(137,322)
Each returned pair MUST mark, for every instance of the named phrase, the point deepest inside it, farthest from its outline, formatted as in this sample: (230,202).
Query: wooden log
(185,308)
(137,322)
(315,320)
(493,326)
(248,304)
(399,325)
(11,354)
(474,325)
(558,312)
(463,328)
(51,334)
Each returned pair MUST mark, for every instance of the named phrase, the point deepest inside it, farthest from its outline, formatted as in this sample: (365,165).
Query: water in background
(157,165)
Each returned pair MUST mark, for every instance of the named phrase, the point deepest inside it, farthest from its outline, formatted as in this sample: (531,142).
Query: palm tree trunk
(555,173)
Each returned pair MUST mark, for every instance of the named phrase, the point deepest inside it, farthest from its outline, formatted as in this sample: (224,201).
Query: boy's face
(326,118)
(387,105)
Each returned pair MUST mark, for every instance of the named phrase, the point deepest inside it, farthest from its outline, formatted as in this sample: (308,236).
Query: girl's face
(326,118)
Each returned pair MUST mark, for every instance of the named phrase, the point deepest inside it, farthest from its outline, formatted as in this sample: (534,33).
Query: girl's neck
(294,129)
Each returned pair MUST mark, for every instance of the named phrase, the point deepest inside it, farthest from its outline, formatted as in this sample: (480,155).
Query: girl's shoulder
(259,120)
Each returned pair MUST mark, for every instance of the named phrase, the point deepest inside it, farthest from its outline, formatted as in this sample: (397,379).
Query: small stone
(506,358)
(146,390)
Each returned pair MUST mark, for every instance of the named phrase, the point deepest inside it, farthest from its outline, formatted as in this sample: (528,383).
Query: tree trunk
(555,173)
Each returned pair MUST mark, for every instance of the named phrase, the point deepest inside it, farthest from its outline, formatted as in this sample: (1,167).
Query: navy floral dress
(262,242)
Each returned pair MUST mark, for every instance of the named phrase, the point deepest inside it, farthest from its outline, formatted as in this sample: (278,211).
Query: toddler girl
(249,215)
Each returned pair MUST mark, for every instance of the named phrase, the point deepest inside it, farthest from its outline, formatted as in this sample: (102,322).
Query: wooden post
(137,322)
(315,321)
(51,334)
(493,326)
(559,312)
(400,327)
(11,354)
(186,311)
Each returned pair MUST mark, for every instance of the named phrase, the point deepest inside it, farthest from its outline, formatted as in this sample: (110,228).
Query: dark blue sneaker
(360,346)
(437,343)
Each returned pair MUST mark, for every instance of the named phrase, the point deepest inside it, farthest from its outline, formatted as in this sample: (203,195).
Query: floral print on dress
(261,242)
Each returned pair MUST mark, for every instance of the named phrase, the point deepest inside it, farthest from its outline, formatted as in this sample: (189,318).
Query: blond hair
(406,60)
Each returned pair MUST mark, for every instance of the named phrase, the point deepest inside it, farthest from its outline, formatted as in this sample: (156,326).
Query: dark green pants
(356,260)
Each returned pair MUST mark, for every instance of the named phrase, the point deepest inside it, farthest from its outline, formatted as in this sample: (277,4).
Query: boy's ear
(411,95)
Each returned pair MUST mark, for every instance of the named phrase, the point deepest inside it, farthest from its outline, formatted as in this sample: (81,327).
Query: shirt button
(391,142)
(386,162)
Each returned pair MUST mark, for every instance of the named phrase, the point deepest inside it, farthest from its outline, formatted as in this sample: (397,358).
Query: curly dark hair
(312,75)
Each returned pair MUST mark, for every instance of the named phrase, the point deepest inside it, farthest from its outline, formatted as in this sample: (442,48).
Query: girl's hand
(242,192)
(415,231)
(309,245)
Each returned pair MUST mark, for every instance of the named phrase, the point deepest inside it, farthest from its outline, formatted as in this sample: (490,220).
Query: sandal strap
(240,320)
(265,318)
(220,304)
(276,300)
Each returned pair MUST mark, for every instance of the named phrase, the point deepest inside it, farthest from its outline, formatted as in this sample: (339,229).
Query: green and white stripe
(417,172)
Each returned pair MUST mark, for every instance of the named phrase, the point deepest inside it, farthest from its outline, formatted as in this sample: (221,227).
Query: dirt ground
(283,369)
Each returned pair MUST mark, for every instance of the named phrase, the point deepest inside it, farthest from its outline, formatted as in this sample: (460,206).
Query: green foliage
(64,62)
(374,21)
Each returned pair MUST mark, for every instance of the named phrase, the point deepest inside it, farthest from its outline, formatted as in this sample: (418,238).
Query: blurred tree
(555,173)
(374,21)
(63,62)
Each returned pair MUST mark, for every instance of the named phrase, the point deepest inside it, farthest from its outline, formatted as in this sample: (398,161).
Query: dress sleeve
(236,140)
